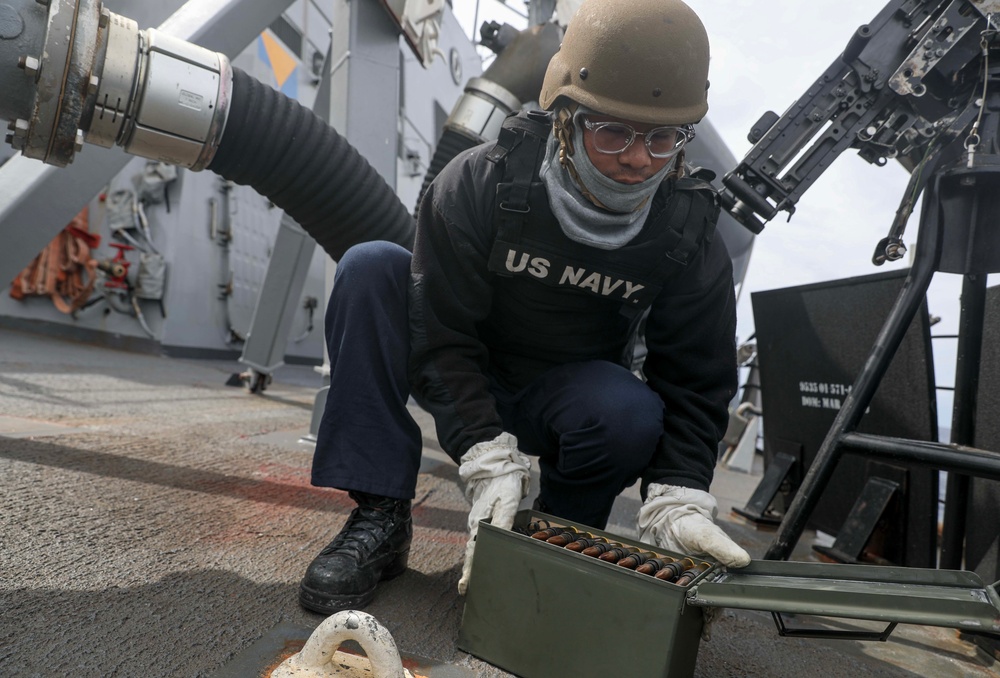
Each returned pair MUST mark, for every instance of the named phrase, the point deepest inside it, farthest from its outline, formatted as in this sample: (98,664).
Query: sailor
(541,263)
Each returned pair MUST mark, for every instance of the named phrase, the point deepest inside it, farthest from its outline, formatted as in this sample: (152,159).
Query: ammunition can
(524,599)
(527,596)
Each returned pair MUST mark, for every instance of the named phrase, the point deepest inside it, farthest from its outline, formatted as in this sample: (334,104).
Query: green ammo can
(535,609)
(538,610)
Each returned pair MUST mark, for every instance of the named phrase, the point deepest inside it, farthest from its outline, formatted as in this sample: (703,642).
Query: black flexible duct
(288,154)
(519,70)
(520,67)
(449,146)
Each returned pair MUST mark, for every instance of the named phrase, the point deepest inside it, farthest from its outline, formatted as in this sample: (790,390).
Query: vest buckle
(506,207)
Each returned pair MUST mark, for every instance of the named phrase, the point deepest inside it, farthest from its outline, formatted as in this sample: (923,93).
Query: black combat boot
(373,546)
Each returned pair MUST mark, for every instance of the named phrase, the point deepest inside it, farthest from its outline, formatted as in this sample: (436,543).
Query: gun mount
(906,85)
(920,84)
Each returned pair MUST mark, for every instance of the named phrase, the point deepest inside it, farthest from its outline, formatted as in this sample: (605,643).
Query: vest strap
(526,133)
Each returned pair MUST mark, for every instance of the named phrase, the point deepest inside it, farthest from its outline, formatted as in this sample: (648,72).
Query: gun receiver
(905,84)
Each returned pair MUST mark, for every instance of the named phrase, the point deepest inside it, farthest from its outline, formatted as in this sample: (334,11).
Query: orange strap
(65,271)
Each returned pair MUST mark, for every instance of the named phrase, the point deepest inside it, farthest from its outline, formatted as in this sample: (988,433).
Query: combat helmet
(641,60)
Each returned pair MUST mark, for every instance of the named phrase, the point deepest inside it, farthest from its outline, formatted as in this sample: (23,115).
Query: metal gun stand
(959,233)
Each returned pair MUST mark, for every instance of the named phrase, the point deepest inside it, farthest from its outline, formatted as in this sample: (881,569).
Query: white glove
(681,519)
(496,479)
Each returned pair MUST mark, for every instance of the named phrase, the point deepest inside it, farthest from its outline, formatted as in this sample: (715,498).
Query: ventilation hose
(449,146)
(514,77)
(292,157)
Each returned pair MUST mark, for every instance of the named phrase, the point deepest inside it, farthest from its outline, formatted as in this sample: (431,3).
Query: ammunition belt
(670,568)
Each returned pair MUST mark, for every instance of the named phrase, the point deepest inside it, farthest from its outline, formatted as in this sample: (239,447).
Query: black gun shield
(812,342)
(982,538)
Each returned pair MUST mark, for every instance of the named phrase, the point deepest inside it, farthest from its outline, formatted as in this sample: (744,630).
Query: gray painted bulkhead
(199,320)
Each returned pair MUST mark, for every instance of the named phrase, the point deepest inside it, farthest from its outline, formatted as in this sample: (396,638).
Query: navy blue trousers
(592,425)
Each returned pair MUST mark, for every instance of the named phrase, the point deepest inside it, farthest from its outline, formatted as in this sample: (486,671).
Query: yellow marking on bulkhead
(282,63)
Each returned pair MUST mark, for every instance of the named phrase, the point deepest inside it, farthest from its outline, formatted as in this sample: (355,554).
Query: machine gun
(920,84)
(907,85)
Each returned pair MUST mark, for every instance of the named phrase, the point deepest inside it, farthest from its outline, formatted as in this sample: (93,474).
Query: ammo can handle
(784,631)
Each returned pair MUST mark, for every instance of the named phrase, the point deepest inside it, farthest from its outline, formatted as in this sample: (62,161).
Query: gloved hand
(496,479)
(681,519)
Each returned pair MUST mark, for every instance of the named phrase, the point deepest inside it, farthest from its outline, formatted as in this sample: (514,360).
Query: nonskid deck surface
(155,522)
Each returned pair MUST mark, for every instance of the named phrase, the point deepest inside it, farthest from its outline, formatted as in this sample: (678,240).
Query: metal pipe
(963,424)
(96,77)
(951,458)
(22,36)
(160,97)
(29,215)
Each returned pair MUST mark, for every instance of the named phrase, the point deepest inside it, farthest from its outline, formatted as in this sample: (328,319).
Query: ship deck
(156,522)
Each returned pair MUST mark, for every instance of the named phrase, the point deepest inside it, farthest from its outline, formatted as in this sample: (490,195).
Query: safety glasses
(615,137)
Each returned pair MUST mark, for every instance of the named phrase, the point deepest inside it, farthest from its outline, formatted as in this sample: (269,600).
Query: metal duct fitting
(515,77)
(481,109)
(89,75)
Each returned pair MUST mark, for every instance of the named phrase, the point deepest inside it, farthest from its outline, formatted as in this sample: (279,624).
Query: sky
(765,55)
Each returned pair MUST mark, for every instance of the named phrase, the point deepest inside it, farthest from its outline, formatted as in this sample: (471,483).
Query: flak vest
(599,296)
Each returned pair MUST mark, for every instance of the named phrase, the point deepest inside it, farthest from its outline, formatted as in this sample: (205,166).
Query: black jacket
(459,311)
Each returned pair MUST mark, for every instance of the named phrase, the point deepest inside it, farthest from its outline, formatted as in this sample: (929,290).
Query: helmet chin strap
(562,126)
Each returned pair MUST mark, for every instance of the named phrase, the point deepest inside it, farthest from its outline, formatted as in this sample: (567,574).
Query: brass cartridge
(564,538)
(600,549)
(532,527)
(689,574)
(636,559)
(585,542)
(672,571)
(617,553)
(537,526)
(551,532)
(654,565)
